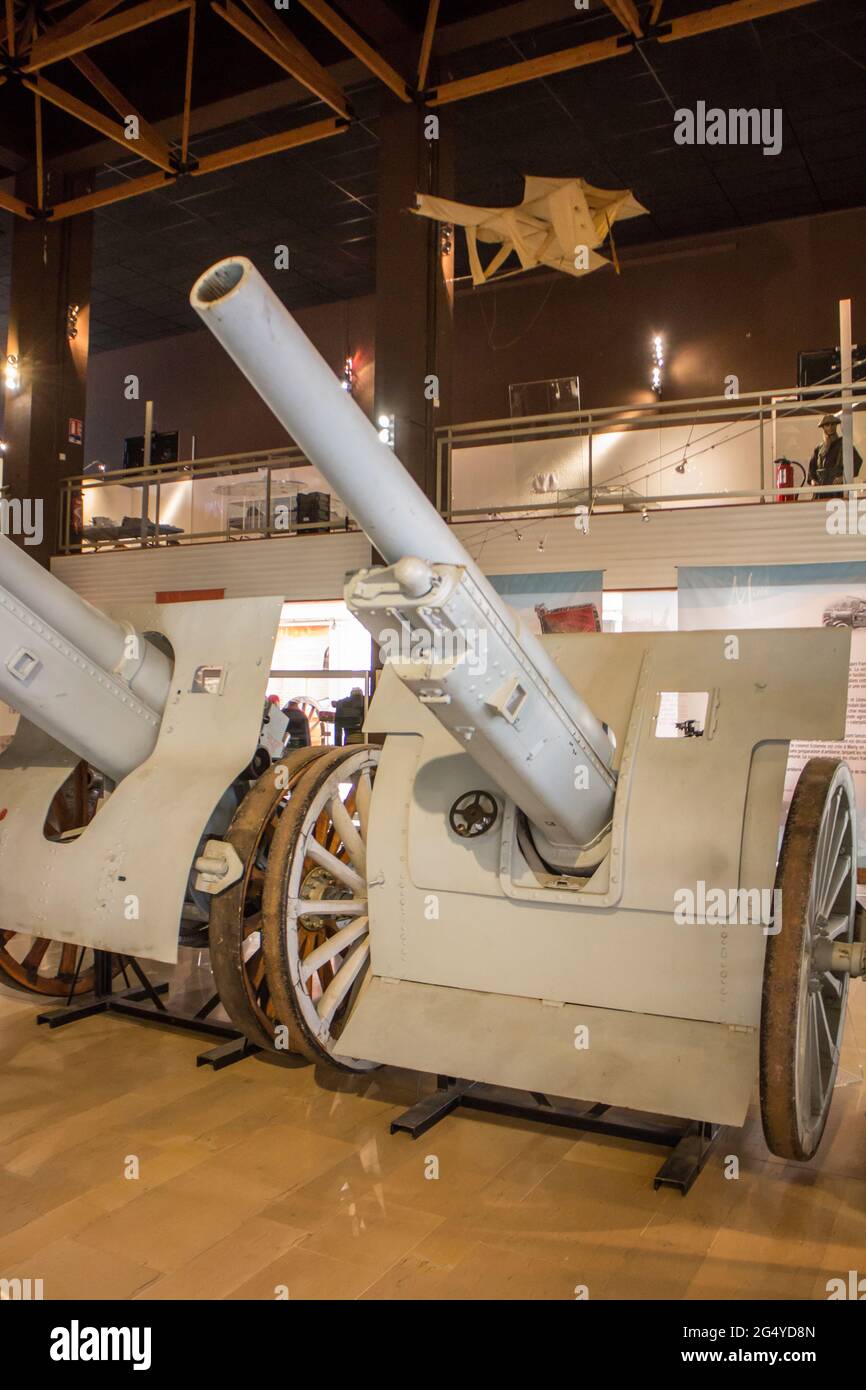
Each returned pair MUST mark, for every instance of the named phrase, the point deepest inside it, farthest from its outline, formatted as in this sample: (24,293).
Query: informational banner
(775,596)
(561,601)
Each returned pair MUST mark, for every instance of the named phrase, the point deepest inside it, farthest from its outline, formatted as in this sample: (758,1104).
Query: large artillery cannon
(519,881)
(528,884)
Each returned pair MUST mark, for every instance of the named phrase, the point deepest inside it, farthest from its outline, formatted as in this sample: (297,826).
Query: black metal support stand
(132,1003)
(691,1144)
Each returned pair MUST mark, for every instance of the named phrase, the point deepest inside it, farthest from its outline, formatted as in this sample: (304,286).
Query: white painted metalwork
(98,686)
(488,694)
(258,332)
(474,957)
(121,884)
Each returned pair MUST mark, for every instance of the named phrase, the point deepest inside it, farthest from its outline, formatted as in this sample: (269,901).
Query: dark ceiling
(612,123)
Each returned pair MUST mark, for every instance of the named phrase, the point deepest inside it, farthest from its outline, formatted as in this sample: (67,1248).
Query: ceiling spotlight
(13,375)
(658,362)
(72,312)
(387,430)
(348,380)
(446,239)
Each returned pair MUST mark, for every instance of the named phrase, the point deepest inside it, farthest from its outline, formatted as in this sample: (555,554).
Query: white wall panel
(297,567)
(634,554)
(637,554)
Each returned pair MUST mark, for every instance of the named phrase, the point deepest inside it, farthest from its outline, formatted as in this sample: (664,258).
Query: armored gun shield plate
(803,1006)
(315,924)
(39,964)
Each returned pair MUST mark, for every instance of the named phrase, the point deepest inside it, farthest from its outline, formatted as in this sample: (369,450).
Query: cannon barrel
(528,755)
(96,686)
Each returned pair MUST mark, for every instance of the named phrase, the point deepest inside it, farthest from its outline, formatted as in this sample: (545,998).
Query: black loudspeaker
(822,367)
(163,449)
(314,506)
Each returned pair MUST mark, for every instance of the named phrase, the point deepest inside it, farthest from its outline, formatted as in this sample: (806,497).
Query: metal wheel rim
(325,951)
(803,1004)
(235,930)
(823,995)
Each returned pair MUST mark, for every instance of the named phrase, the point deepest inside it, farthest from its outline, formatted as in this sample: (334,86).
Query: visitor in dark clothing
(299,725)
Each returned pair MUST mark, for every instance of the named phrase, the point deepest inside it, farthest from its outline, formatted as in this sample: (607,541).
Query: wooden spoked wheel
(235,926)
(73,805)
(42,966)
(316,929)
(803,1007)
(311,710)
(39,964)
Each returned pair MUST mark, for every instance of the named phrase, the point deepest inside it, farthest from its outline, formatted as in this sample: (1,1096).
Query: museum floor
(271,1175)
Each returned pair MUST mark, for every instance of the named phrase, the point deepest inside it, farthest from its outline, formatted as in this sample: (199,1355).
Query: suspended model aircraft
(561,223)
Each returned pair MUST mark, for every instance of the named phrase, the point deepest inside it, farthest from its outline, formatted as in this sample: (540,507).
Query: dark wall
(198,390)
(50,270)
(740,303)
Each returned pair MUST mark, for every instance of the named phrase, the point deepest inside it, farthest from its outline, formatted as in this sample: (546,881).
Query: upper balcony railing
(708,451)
(711,451)
(233,497)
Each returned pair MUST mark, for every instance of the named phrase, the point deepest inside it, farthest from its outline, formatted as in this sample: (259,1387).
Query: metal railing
(229,497)
(750,424)
(254,495)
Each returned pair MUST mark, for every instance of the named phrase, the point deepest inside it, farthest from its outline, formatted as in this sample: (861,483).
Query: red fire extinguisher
(785,478)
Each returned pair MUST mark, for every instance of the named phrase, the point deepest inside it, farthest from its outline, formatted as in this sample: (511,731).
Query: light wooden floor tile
(279,1174)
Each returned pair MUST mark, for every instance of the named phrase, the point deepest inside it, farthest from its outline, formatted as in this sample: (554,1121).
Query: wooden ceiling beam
(50,49)
(266,42)
(115,98)
(270,144)
(626,12)
(707,21)
(40,161)
(104,197)
(724,16)
(46,7)
(351,39)
(529,70)
(225,159)
(11,204)
(316,78)
(82,17)
(427,43)
(90,116)
(9,27)
(187,87)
